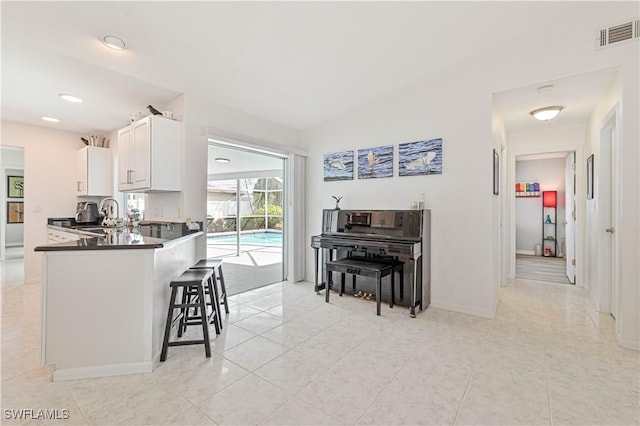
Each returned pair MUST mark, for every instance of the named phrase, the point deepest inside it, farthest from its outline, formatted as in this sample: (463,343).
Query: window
(135,206)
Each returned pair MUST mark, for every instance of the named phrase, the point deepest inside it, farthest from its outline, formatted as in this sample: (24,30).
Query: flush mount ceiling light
(113,42)
(546,113)
(50,119)
(222,160)
(70,98)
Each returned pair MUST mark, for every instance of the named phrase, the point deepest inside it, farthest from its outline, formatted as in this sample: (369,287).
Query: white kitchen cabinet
(150,153)
(95,172)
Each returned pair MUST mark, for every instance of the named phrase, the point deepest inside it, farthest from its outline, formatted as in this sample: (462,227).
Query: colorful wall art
(420,158)
(338,166)
(375,162)
(528,189)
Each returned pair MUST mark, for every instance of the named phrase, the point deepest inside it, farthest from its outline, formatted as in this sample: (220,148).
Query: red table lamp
(549,198)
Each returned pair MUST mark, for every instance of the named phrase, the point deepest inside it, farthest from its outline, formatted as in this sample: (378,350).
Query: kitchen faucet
(109,209)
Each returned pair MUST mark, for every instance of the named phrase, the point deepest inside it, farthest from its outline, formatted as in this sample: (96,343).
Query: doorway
(12,217)
(545,217)
(245,216)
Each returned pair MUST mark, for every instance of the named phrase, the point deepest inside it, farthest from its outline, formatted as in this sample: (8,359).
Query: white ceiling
(298,64)
(240,162)
(577,94)
(547,156)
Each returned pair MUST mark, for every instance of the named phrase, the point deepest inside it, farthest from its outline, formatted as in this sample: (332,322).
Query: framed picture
(15,186)
(590,177)
(15,212)
(375,162)
(496,173)
(338,166)
(420,158)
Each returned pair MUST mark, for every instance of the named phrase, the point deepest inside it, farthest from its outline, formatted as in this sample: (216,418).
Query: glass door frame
(229,144)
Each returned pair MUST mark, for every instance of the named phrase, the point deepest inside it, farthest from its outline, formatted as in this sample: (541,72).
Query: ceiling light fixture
(546,113)
(113,42)
(50,119)
(222,160)
(70,98)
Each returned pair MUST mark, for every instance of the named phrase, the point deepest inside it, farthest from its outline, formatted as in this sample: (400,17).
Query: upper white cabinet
(150,153)
(95,171)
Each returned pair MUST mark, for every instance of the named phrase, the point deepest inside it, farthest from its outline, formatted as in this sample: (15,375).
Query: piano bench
(366,268)
(398,266)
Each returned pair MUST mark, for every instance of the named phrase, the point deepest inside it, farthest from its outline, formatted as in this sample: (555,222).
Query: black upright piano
(401,234)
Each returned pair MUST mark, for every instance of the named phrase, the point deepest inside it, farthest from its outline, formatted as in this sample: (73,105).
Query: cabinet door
(141,154)
(99,172)
(124,155)
(82,168)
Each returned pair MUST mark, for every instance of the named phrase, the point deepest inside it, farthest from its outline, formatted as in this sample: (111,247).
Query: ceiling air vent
(617,34)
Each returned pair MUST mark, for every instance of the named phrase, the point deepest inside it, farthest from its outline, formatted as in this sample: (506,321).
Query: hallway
(540,268)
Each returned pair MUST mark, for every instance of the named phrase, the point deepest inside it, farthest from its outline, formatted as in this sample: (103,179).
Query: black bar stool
(215,265)
(192,283)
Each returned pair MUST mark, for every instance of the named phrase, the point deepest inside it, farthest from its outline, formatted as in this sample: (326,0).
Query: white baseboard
(529,252)
(484,313)
(629,344)
(101,371)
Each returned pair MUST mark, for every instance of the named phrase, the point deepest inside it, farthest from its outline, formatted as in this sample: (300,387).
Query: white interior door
(570,217)
(608,197)
(613,254)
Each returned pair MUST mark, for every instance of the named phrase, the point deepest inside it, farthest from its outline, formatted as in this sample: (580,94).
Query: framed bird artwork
(420,158)
(338,166)
(375,162)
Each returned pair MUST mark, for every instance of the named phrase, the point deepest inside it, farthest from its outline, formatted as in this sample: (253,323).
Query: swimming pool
(261,238)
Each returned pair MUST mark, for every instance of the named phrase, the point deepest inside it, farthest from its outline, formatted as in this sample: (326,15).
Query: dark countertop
(145,236)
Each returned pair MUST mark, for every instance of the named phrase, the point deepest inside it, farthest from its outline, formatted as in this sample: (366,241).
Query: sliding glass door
(245,218)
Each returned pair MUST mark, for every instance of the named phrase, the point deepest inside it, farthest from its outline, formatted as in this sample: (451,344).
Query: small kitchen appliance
(86,212)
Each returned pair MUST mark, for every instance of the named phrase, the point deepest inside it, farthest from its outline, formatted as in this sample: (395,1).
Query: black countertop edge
(70,247)
(120,242)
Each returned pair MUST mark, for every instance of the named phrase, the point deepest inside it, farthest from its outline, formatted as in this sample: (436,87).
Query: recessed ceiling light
(222,160)
(70,98)
(113,42)
(546,113)
(51,119)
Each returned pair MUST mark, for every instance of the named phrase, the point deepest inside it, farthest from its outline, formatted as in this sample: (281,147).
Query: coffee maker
(86,212)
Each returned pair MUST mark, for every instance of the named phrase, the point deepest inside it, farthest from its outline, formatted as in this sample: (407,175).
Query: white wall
(202,119)
(624,91)
(460,199)
(550,173)
(50,179)
(455,105)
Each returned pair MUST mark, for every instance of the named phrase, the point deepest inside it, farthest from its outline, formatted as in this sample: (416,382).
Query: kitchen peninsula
(104,296)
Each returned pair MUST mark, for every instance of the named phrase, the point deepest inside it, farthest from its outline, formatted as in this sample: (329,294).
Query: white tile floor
(287,357)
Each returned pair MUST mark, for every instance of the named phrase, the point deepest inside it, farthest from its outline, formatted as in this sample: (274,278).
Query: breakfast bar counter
(104,300)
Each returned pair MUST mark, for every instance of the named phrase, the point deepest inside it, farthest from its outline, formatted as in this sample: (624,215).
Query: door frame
(293,212)
(570,214)
(580,205)
(3,207)
(609,267)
